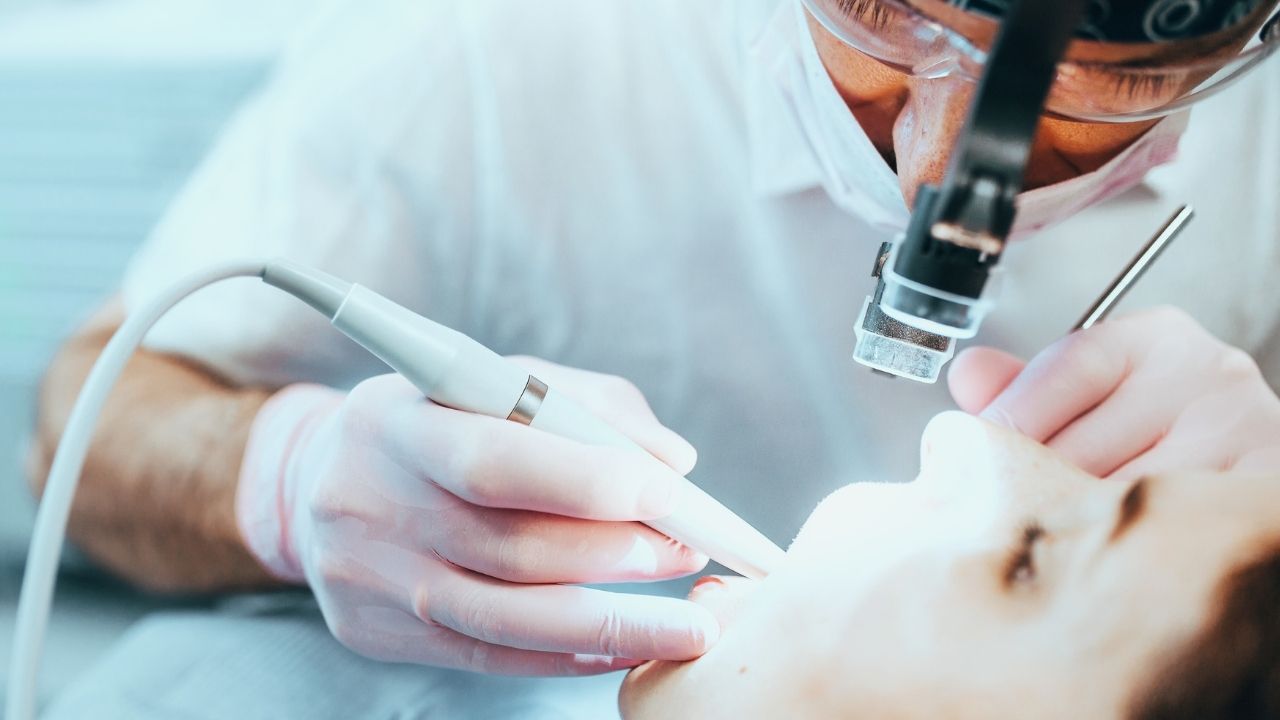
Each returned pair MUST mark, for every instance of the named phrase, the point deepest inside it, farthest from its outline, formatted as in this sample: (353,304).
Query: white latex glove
(445,538)
(1145,393)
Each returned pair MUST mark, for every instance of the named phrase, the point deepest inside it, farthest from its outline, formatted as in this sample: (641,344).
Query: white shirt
(625,187)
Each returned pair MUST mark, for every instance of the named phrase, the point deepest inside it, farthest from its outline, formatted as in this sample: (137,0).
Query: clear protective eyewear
(1097,81)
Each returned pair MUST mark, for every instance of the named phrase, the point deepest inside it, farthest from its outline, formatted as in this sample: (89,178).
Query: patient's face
(1003,583)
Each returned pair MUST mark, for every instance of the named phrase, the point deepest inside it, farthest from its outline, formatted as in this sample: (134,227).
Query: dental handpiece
(454,370)
(450,369)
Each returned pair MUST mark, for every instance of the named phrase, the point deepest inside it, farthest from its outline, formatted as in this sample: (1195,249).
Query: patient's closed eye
(1131,507)
(1021,564)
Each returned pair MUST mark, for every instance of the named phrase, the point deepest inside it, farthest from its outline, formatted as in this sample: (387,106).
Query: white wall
(104,108)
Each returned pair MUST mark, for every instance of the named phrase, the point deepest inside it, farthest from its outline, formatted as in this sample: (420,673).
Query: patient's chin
(664,688)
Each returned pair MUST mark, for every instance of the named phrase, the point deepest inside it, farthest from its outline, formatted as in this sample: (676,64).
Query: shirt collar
(783,160)
(801,134)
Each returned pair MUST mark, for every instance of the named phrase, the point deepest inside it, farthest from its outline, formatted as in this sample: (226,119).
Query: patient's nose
(972,464)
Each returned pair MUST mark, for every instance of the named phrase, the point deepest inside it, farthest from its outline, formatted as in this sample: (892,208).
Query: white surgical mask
(1049,205)
(859,180)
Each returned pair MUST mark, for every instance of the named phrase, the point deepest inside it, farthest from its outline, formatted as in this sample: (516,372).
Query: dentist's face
(1003,583)
(914,123)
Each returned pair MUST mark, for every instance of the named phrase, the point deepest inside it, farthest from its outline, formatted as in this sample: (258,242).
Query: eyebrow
(1131,507)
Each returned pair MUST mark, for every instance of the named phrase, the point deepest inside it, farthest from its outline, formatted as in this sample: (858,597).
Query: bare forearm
(156,500)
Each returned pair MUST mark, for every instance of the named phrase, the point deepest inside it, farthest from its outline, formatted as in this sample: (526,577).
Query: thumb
(979,374)
(723,595)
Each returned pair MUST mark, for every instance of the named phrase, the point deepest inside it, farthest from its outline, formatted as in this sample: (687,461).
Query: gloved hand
(446,538)
(1145,393)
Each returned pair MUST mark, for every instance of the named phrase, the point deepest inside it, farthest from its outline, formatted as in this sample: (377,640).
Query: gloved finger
(1063,382)
(496,463)
(1168,457)
(723,595)
(1126,424)
(1078,372)
(620,403)
(1182,451)
(412,641)
(1217,432)
(979,374)
(1263,460)
(562,618)
(527,547)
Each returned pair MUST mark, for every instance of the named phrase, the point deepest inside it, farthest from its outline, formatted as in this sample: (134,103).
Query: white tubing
(447,366)
(41,571)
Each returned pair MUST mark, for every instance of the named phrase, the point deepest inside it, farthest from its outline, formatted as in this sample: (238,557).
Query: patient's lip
(704,583)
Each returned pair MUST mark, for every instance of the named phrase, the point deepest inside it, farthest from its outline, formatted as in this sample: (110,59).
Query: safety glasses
(1096,82)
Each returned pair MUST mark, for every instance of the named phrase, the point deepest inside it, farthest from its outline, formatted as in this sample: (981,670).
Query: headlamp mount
(932,280)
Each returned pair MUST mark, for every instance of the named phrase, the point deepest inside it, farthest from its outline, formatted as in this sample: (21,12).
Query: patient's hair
(1231,668)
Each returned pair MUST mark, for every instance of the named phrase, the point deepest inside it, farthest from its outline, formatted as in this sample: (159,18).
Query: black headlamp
(931,283)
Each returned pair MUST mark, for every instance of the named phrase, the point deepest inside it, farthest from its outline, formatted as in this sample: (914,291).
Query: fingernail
(604,662)
(678,454)
(686,458)
(658,498)
(684,632)
(996,414)
(694,559)
(696,632)
(708,631)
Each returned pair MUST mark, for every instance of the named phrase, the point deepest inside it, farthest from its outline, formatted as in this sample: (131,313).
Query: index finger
(1068,379)
(569,619)
(501,464)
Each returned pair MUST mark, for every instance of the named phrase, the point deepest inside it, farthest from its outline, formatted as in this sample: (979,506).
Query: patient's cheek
(646,691)
(850,513)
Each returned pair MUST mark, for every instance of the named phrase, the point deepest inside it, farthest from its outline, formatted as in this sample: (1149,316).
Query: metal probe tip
(1136,268)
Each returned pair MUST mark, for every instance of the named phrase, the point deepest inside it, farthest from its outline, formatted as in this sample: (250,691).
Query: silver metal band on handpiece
(535,391)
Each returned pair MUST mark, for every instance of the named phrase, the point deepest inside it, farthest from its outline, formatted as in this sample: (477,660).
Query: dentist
(684,195)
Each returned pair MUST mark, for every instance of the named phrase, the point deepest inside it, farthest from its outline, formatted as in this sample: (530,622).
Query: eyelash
(1135,85)
(871,12)
(1020,567)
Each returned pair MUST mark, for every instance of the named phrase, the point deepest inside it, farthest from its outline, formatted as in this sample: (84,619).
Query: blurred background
(105,107)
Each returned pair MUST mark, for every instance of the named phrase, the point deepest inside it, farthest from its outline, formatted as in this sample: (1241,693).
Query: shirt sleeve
(345,161)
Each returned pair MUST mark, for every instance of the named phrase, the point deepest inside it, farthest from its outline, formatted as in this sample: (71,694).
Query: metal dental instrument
(1136,268)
